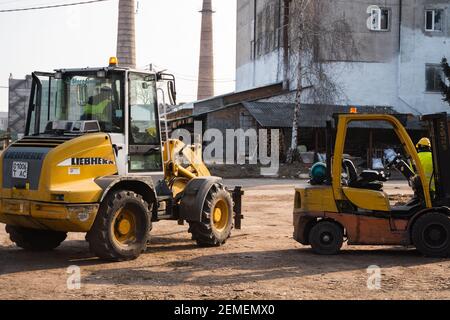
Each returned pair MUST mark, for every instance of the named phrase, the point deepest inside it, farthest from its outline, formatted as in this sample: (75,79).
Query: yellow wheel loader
(93,160)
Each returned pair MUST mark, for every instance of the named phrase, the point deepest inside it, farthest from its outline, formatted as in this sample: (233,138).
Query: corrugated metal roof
(223,101)
(280,115)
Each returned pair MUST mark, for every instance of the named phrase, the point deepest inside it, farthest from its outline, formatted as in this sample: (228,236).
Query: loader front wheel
(35,240)
(217,219)
(121,228)
(326,238)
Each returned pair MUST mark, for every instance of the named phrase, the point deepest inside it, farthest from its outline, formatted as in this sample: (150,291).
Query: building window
(380,19)
(267,27)
(385,16)
(433,77)
(434,19)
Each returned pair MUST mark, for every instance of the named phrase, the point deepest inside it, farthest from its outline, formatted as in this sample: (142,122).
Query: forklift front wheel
(326,238)
(431,235)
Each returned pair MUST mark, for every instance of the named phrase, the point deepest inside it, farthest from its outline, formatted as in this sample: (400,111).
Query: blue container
(318,173)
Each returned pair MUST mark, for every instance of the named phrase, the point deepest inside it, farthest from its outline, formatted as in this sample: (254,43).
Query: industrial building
(396,63)
(394,69)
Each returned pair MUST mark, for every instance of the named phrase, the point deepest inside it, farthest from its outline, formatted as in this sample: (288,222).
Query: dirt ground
(261,261)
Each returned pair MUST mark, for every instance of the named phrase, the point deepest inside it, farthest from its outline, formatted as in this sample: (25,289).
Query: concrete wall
(389,67)
(266,69)
(419,48)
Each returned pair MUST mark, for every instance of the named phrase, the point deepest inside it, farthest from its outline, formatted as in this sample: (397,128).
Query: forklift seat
(368,179)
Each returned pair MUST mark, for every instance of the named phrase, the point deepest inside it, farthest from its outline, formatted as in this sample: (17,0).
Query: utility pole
(206,63)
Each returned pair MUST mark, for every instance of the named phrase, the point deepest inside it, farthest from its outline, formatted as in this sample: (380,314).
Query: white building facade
(400,45)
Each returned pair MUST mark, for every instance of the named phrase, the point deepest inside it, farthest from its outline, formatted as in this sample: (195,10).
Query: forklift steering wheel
(392,162)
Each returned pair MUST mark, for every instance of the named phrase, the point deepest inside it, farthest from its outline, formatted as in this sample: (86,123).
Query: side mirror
(171,87)
(172,92)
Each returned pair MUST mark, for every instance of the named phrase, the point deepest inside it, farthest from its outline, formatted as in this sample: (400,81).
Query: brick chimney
(126,42)
(206,65)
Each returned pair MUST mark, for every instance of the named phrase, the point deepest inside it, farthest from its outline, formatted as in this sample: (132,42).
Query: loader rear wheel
(217,219)
(121,228)
(35,240)
(326,238)
(431,235)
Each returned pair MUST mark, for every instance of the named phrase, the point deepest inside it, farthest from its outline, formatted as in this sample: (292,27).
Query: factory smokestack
(126,41)
(206,65)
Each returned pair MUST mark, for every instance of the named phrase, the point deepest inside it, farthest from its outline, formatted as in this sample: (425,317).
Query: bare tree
(318,37)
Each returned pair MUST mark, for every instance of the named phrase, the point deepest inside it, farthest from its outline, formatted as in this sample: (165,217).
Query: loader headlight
(101,74)
(82,213)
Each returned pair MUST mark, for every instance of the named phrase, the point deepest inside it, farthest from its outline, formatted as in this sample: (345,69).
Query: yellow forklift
(93,160)
(345,205)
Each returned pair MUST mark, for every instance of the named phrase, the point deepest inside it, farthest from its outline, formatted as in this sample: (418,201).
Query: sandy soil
(262,261)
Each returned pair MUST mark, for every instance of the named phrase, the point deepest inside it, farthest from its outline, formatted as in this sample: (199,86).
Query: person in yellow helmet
(426,159)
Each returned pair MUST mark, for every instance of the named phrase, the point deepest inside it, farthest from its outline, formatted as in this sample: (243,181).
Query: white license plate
(20,170)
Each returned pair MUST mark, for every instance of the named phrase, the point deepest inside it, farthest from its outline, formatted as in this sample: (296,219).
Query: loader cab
(118,101)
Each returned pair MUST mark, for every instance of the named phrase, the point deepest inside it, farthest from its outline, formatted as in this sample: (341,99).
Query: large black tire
(217,219)
(326,238)
(121,228)
(35,240)
(431,235)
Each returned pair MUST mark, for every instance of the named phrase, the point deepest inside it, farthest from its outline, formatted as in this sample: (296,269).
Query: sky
(167,35)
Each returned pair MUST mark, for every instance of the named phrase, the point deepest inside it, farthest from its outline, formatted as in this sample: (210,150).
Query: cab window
(144,135)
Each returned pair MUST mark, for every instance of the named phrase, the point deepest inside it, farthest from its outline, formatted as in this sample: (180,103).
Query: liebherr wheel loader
(92,160)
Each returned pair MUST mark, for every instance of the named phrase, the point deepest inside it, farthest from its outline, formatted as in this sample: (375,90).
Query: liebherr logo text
(246,309)
(85,162)
(90,161)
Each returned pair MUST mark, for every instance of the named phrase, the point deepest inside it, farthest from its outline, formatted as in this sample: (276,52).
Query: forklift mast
(438,128)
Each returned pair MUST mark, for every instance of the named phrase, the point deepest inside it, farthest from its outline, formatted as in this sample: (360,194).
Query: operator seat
(368,179)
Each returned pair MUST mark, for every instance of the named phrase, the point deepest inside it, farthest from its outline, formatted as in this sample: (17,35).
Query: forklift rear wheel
(121,229)
(217,219)
(326,238)
(431,235)
(35,240)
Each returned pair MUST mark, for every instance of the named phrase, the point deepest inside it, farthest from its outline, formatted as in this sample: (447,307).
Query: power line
(204,80)
(53,6)
(192,77)
(34,4)
(188,77)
